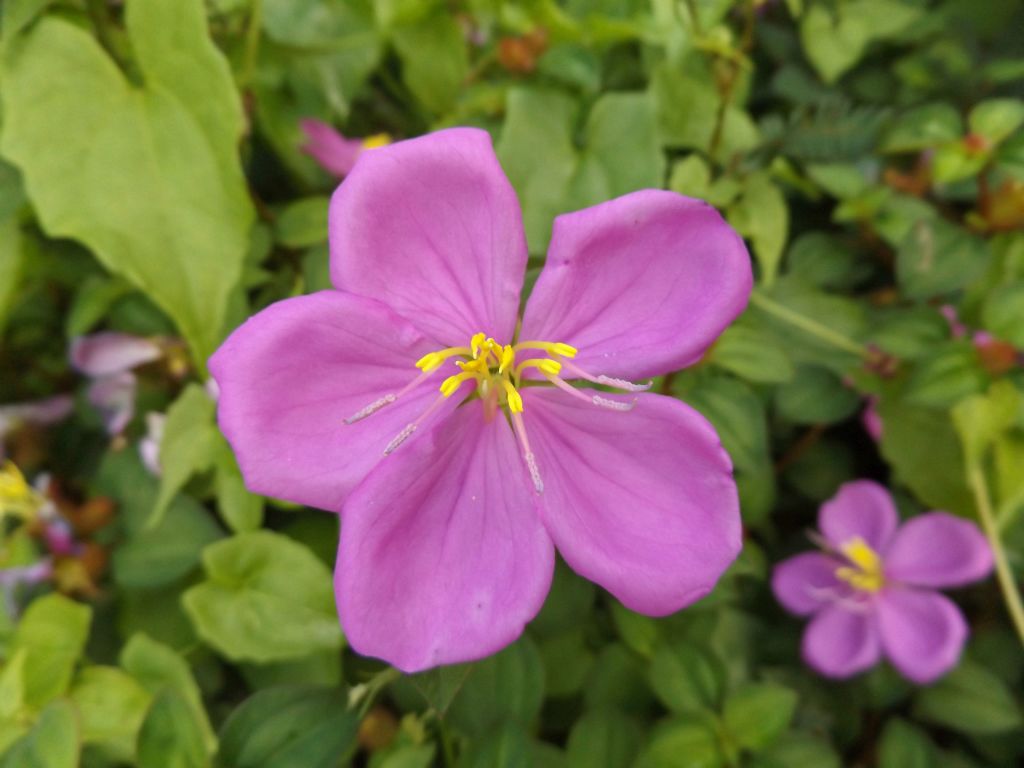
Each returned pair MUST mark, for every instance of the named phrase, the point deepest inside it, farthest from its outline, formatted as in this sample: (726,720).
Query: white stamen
(629,386)
(372,408)
(608,381)
(400,438)
(531,464)
(615,405)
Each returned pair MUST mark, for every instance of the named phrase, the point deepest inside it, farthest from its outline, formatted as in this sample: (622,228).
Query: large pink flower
(873,592)
(454,501)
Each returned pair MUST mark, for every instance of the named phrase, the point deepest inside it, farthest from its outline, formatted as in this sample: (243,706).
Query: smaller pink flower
(335,153)
(873,591)
(108,359)
(871,419)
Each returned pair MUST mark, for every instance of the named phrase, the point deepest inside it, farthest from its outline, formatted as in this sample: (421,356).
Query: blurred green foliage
(151,182)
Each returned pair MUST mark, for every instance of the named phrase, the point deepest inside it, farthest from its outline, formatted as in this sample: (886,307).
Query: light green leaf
(149,179)
(111,707)
(938,257)
(756,714)
(303,223)
(52,742)
(797,750)
(944,376)
(265,598)
(156,667)
(996,119)
(752,353)
(683,743)
(691,176)
(928,125)
(639,632)
(241,510)
(1003,313)
(434,59)
(18,14)
(171,736)
(187,447)
(52,632)
(981,420)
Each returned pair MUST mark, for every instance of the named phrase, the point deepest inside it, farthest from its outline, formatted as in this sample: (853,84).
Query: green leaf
(970,699)
(639,632)
(11,261)
(149,179)
(923,450)
(156,667)
(265,598)
(111,707)
(996,119)
(303,223)
(187,447)
(52,632)
(93,300)
(816,396)
(982,419)
(508,685)
(440,686)
(682,744)
(171,736)
(762,215)
(937,258)
(752,353)
(569,603)
(691,176)
(949,373)
(1003,313)
(923,127)
(905,746)
(434,59)
(18,14)
(301,726)
(52,742)
(797,750)
(567,660)
(686,678)
(835,42)
(507,747)
(241,510)
(604,739)
(756,714)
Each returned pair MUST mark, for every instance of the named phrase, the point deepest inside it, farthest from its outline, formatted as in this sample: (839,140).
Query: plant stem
(1011,596)
(808,325)
(253,35)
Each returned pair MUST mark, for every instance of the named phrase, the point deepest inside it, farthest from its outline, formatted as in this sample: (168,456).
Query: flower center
(865,570)
(493,367)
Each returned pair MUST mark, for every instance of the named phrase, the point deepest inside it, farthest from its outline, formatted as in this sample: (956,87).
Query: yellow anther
(508,356)
(515,400)
(544,364)
(452,383)
(551,347)
(376,140)
(477,342)
(866,573)
(433,360)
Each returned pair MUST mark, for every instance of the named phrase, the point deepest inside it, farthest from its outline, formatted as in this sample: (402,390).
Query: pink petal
(431,227)
(292,374)
(872,419)
(113,396)
(641,285)
(938,549)
(443,558)
(860,508)
(923,633)
(102,354)
(806,582)
(334,153)
(840,642)
(641,502)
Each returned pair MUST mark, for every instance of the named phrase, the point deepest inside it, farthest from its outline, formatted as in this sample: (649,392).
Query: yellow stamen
(452,383)
(551,347)
(515,400)
(376,140)
(543,364)
(433,360)
(866,572)
(508,356)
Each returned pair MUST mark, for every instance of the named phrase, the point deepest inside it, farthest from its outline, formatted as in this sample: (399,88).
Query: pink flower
(873,591)
(333,152)
(108,359)
(871,419)
(453,502)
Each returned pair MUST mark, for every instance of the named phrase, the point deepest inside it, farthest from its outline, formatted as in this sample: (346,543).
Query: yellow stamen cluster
(376,140)
(493,367)
(17,497)
(865,573)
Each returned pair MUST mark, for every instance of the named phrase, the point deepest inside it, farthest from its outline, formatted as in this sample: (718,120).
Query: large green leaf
(148,178)
(171,735)
(266,598)
(52,742)
(52,632)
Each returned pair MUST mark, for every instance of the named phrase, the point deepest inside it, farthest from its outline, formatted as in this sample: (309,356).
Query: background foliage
(151,182)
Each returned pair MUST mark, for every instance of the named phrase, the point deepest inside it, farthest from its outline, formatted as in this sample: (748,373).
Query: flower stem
(253,35)
(808,325)
(1011,595)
